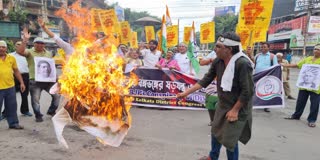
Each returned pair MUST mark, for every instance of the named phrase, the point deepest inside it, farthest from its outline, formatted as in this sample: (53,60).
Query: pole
(178,31)
(309,7)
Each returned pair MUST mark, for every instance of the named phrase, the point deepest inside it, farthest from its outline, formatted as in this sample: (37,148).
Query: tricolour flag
(163,36)
(190,52)
(168,18)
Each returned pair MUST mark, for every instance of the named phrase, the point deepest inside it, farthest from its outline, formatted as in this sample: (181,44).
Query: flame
(93,78)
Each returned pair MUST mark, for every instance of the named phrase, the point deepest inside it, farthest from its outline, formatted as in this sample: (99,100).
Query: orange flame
(93,78)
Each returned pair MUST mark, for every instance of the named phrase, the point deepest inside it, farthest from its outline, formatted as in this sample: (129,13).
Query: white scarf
(227,77)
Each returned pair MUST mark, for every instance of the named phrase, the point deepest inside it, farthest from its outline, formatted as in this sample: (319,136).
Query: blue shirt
(263,61)
(289,56)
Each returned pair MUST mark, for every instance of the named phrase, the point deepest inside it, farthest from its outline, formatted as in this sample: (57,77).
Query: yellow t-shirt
(308,60)
(6,71)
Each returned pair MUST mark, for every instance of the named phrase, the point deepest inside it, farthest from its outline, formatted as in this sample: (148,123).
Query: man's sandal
(312,124)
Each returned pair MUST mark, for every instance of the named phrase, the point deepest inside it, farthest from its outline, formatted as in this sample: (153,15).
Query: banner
(259,35)
(207,32)
(149,33)
(103,19)
(302,5)
(314,24)
(134,40)
(172,36)
(154,83)
(269,91)
(125,32)
(255,14)
(186,34)
(244,37)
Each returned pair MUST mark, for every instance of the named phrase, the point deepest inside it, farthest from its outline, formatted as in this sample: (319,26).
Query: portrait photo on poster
(45,70)
(309,77)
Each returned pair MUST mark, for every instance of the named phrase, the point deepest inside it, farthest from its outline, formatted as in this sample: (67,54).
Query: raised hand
(25,34)
(41,22)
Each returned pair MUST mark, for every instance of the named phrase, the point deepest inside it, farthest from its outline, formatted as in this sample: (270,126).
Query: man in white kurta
(151,56)
(183,60)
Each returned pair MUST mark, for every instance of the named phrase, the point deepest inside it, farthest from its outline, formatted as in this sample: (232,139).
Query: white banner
(314,24)
(304,4)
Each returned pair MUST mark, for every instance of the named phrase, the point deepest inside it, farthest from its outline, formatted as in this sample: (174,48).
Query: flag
(168,18)
(164,36)
(190,52)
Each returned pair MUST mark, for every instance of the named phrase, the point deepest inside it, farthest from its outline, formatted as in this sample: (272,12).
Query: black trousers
(24,108)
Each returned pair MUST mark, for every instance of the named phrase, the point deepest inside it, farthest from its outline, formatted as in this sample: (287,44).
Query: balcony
(54,4)
(32,3)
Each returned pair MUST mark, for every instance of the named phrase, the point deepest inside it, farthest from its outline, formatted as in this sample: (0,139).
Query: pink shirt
(171,63)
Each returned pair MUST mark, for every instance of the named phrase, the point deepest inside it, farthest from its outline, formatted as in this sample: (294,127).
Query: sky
(199,11)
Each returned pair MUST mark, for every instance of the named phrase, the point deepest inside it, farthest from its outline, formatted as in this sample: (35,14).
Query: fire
(92,78)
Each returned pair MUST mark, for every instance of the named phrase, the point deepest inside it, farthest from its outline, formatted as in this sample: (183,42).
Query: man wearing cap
(36,87)
(8,66)
(233,115)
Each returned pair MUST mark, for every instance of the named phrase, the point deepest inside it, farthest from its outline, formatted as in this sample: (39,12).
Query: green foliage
(225,23)
(18,15)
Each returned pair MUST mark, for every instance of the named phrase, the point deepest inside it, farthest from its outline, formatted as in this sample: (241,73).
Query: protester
(36,87)
(8,66)
(122,50)
(289,56)
(150,56)
(183,60)
(304,94)
(68,49)
(249,53)
(24,70)
(285,75)
(133,58)
(168,62)
(264,60)
(233,116)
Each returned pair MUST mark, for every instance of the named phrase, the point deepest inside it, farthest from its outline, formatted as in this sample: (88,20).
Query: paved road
(165,135)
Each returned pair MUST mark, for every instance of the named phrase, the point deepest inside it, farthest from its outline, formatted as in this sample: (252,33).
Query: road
(165,135)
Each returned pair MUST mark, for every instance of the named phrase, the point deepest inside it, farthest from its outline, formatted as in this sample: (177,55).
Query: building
(289,25)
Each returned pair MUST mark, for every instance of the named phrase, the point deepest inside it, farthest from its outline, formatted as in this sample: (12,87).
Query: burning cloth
(92,83)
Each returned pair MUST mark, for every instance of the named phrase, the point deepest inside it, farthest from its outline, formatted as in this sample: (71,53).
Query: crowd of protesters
(231,119)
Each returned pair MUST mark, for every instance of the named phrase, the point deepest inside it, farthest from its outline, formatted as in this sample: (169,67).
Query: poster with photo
(45,69)
(309,77)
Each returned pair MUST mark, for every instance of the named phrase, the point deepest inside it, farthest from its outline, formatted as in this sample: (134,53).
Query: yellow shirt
(308,60)
(6,71)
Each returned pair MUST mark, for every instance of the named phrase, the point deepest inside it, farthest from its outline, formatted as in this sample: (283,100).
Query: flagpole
(178,31)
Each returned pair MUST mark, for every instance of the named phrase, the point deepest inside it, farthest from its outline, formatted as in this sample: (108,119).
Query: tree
(225,23)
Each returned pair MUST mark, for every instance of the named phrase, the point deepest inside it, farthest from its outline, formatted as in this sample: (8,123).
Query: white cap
(3,44)
(38,40)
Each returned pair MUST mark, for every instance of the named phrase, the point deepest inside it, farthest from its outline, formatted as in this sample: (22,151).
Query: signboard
(297,40)
(9,30)
(120,13)
(303,4)
(314,24)
(284,30)
(220,11)
(278,46)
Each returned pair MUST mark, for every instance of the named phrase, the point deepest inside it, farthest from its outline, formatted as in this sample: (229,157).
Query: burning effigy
(92,83)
